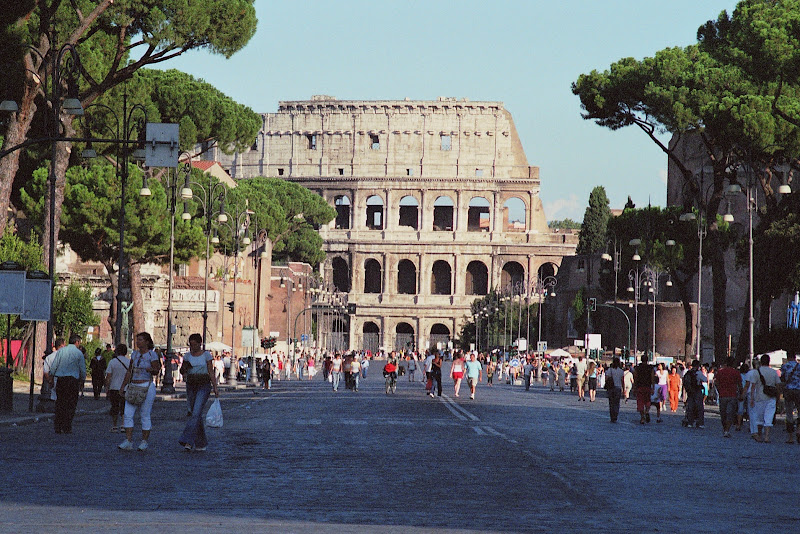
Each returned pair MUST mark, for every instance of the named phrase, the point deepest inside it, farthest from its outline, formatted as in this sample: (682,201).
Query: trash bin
(6,389)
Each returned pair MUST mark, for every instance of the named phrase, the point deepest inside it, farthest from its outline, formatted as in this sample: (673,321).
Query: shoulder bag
(769,391)
(135,394)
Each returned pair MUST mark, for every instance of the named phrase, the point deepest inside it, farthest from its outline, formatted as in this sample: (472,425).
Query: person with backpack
(762,384)
(693,386)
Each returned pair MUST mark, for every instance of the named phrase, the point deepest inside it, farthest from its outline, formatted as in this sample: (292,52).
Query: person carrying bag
(200,381)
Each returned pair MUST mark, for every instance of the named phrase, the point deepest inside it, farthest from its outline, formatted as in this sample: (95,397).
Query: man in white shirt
(428,366)
(762,406)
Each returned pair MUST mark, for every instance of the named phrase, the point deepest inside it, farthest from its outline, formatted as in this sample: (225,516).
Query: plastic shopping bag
(214,415)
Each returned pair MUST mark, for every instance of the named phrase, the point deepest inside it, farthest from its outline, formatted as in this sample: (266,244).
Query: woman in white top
(200,380)
(457,372)
(663,385)
(145,364)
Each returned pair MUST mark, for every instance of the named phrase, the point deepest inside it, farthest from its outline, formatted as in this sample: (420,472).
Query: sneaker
(186,447)
(200,448)
(125,446)
(143,446)
(701,426)
(472,396)
(726,434)
(647,417)
(114,429)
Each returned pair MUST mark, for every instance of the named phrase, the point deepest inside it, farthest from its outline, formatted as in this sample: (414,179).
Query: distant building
(436,205)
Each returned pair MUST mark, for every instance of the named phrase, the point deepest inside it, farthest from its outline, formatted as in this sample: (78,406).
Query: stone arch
(547,269)
(513,273)
(409,212)
(404,337)
(375,213)
(478,215)
(441,281)
(341,274)
(515,215)
(439,333)
(443,214)
(406,277)
(477,280)
(372,276)
(342,205)
(371,336)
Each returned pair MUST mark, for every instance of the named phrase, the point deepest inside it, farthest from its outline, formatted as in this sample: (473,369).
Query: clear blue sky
(523,53)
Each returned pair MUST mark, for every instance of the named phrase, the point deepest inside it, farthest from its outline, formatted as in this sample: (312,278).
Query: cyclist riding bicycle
(390,373)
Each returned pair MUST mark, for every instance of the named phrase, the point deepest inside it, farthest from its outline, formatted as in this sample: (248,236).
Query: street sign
(541,346)
(12,292)
(161,148)
(37,300)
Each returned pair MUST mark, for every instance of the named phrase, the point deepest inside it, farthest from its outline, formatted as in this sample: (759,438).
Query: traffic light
(593,304)
(351,308)
(230,305)
(264,343)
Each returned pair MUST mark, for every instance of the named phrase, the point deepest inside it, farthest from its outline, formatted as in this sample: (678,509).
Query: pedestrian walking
(69,372)
(662,386)
(729,385)
(527,373)
(436,373)
(355,372)
(673,388)
(627,383)
(790,376)
(200,381)
(97,368)
(643,379)
(364,367)
(47,373)
(474,373)
(615,377)
(266,373)
(562,377)
(762,385)
(412,368)
(457,373)
(428,368)
(591,375)
(491,365)
(581,368)
(336,371)
(141,392)
(551,376)
(115,375)
(693,382)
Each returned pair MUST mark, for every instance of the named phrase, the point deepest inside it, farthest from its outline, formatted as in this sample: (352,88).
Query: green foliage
(290,214)
(578,309)
(90,217)
(564,224)
(592,237)
(72,310)
(27,254)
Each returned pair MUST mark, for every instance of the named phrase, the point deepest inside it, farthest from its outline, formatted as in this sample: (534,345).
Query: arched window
(341,275)
(409,212)
(512,276)
(406,278)
(478,215)
(515,215)
(404,337)
(477,278)
(371,336)
(372,276)
(439,336)
(441,280)
(375,213)
(443,214)
(342,205)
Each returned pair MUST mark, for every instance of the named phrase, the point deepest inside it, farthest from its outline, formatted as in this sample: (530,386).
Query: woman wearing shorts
(457,372)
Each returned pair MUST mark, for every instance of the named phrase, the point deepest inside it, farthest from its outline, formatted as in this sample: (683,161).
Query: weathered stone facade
(436,206)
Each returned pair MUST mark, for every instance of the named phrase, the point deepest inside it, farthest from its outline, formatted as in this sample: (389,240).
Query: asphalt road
(302,458)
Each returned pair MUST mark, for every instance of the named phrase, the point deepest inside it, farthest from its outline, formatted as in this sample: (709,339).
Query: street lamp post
(615,265)
(240,223)
(543,285)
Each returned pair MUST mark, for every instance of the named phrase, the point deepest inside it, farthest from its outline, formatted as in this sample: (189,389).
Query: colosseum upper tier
(436,205)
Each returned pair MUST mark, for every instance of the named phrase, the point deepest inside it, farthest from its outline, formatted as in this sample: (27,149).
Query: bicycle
(391,382)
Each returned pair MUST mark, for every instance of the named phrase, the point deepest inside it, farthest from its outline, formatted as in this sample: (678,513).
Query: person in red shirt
(729,385)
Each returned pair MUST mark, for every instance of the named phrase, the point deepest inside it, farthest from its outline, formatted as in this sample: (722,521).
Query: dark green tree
(564,224)
(290,213)
(72,309)
(592,238)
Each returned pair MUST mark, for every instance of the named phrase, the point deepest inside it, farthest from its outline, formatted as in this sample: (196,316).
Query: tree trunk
(719,283)
(16,133)
(19,366)
(136,298)
(688,338)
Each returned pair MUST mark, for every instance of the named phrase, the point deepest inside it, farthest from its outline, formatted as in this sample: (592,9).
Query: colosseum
(436,205)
